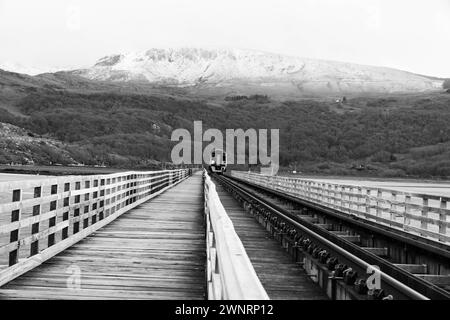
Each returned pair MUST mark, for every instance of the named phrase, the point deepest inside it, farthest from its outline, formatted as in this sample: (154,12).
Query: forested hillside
(398,135)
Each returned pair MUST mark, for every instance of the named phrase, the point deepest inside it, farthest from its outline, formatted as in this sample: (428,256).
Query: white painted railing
(421,214)
(40,218)
(230,274)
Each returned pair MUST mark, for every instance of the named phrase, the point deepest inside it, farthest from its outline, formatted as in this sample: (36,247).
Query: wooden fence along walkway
(45,217)
(421,214)
(230,274)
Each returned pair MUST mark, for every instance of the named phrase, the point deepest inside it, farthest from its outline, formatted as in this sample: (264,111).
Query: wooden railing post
(393,207)
(335,194)
(368,202)
(350,199)
(309,190)
(34,249)
(424,215)
(14,234)
(379,200)
(329,200)
(358,201)
(406,218)
(320,192)
(52,220)
(443,217)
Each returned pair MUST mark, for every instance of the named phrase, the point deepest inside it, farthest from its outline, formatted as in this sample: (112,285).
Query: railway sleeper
(341,282)
(326,226)
(352,238)
(381,252)
(413,268)
(442,281)
(340,233)
(308,218)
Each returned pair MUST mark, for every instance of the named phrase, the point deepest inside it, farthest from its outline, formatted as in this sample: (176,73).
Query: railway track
(363,259)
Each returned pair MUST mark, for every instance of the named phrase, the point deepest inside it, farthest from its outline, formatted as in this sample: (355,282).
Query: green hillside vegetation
(397,136)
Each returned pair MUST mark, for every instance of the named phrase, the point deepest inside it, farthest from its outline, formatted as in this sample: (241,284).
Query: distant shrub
(381,103)
(446,84)
(382,156)
(323,166)
(259,98)
(4,158)
(428,151)
(256,97)
(392,173)
(236,98)
(443,171)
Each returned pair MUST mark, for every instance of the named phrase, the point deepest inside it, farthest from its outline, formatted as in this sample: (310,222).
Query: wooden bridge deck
(155,251)
(281,277)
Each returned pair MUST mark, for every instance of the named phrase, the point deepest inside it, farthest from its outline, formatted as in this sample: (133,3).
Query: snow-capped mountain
(193,67)
(26,69)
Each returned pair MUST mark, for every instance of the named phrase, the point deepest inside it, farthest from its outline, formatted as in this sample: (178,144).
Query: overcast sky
(412,35)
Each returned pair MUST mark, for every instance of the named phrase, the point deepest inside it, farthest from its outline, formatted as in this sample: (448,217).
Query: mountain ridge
(259,71)
(223,72)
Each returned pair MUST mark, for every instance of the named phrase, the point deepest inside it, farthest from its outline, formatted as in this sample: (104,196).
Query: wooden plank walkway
(281,277)
(155,251)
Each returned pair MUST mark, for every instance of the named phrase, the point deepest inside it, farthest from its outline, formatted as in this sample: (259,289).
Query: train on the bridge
(218,161)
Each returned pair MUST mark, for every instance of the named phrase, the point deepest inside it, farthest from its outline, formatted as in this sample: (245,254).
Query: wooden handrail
(45,216)
(230,274)
(421,214)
